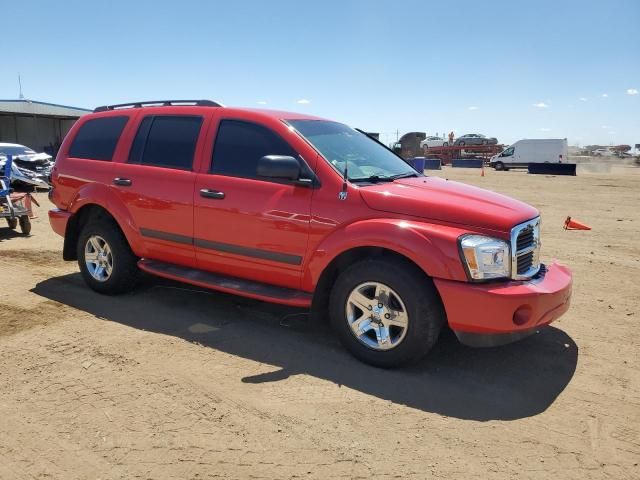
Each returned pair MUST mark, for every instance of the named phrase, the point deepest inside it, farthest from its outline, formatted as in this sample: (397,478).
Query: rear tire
(13,223)
(105,259)
(25,225)
(410,318)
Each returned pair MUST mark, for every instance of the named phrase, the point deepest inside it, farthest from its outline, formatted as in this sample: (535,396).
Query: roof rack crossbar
(158,103)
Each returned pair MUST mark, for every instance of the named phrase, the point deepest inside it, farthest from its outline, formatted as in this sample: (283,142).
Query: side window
(239,145)
(97,138)
(508,152)
(166,141)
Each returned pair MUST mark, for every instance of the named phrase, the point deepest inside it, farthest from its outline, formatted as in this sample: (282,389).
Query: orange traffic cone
(573,225)
(482,171)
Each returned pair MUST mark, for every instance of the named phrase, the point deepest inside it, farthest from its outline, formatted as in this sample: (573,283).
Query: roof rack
(159,103)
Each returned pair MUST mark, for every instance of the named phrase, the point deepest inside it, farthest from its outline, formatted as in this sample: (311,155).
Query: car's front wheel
(386,312)
(499,166)
(106,261)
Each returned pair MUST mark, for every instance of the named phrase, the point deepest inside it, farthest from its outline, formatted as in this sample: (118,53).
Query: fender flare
(101,195)
(432,247)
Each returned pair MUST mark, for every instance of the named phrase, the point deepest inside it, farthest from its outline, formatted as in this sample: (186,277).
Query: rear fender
(101,195)
(433,248)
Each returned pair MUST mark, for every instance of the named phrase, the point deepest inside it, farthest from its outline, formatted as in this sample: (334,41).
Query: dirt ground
(171,381)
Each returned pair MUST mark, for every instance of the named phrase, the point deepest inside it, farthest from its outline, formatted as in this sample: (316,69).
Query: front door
(245,226)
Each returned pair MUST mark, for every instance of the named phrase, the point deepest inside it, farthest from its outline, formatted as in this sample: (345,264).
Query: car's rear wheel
(445,144)
(385,312)
(106,261)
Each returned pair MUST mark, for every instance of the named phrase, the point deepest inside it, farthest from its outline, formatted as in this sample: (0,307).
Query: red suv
(298,210)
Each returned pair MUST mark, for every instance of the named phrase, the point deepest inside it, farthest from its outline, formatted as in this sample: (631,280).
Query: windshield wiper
(404,175)
(372,179)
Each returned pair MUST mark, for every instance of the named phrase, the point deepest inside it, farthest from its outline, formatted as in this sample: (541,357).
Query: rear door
(246,226)
(156,183)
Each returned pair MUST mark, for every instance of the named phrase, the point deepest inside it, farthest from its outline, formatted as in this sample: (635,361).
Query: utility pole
(20,96)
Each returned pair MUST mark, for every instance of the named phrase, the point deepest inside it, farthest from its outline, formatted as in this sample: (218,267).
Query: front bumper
(489,314)
(58,220)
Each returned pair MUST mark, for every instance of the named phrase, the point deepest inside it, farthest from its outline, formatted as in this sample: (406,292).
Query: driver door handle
(215,194)
(123,182)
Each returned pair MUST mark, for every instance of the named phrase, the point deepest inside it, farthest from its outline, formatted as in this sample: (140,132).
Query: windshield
(12,150)
(366,160)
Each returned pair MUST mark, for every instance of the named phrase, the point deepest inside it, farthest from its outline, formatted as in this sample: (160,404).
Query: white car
(433,142)
(602,152)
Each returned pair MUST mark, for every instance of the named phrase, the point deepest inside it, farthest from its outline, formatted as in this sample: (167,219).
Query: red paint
(419,218)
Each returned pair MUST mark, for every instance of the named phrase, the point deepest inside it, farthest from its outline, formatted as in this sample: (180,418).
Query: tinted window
(166,141)
(239,145)
(97,138)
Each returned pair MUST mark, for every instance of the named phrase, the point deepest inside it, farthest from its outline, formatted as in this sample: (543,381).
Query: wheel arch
(431,249)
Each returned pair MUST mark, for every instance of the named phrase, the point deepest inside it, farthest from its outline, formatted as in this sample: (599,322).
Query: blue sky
(509,69)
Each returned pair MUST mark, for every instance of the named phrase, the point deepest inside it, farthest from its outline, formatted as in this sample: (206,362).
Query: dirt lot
(171,381)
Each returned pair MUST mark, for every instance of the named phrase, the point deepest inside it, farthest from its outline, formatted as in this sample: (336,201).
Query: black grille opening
(525,239)
(525,262)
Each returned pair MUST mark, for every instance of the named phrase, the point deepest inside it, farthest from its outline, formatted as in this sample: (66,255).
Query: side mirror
(280,167)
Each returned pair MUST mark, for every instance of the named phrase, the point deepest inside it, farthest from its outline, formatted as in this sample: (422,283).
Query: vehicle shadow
(505,383)
(7,233)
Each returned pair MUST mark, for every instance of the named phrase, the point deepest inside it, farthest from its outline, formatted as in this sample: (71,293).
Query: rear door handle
(123,182)
(215,194)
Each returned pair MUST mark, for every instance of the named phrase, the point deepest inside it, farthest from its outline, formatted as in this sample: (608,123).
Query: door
(245,226)
(156,185)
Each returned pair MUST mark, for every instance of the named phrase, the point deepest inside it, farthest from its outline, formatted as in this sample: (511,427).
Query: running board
(223,283)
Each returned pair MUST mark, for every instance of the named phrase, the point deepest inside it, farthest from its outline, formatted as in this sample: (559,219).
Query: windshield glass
(366,160)
(12,150)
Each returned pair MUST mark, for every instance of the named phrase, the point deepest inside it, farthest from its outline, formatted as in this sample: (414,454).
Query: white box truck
(535,150)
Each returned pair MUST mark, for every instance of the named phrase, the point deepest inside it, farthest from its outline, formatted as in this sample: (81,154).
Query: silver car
(475,139)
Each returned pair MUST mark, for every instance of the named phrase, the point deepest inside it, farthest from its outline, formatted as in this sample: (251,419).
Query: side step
(237,286)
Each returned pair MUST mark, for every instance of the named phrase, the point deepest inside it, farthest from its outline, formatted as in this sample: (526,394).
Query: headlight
(485,257)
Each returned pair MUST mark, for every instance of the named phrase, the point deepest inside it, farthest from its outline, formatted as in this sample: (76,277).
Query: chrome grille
(525,249)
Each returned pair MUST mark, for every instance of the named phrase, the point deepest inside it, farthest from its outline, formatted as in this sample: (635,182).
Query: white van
(535,150)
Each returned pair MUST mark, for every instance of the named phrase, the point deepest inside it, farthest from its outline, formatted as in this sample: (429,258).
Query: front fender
(434,248)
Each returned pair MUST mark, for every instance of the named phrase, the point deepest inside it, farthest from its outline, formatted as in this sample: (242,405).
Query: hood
(33,157)
(448,202)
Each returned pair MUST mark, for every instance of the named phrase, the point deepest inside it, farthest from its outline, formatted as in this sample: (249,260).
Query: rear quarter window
(97,138)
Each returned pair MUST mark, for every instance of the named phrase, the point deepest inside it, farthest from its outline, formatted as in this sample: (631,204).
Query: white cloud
(262,102)
(473,107)
(545,129)
(632,91)
(303,101)
(605,95)
(541,105)
(605,126)
(583,99)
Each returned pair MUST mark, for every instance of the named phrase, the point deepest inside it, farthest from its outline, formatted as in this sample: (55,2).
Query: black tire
(124,272)
(422,303)
(445,144)
(13,223)
(25,225)
(485,142)
(461,144)
(499,166)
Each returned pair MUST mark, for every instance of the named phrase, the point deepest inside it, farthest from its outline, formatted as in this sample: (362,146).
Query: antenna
(21,96)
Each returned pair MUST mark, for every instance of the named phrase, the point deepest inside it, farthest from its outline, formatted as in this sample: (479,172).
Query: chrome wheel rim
(98,258)
(377,316)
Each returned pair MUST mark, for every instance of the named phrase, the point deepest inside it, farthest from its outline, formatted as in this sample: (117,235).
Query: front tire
(13,223)
(25,225)
(387,313)
(105,259)
(499,166)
